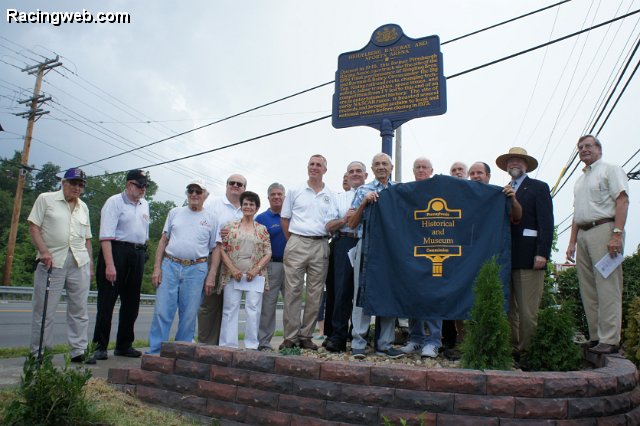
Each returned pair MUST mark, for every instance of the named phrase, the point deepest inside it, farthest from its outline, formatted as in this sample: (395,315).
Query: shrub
(632,332)
(552,346)
(569,292)
(50,396)
(487,342)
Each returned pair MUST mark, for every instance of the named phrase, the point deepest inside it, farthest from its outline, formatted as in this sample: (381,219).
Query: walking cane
(44,314)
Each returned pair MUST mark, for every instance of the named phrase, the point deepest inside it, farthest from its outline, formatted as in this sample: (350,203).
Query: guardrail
(26,293)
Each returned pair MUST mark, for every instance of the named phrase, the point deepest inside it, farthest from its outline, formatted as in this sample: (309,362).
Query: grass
(23,351)
(117,408)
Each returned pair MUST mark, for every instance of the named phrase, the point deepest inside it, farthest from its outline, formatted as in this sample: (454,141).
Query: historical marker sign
(394,77)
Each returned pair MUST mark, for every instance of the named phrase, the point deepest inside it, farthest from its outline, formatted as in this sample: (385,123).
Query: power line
(327,116)
(531,49)
(505,22)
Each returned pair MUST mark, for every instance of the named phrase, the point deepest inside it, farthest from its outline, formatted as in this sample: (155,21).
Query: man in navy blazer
(531,240)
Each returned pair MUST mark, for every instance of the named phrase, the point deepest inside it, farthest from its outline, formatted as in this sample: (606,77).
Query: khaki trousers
(303,255)
(210,318)
(601,297)
(527,287)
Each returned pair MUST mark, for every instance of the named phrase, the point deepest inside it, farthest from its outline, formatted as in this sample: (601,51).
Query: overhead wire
(448,77)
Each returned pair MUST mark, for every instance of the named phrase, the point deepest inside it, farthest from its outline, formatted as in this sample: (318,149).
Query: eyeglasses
(78,183)
(194,191)
(235,183)
(140,185)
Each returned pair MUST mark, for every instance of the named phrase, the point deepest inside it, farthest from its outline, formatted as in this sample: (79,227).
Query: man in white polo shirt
(225,209)
(124,232)
(60,230)
(307,252)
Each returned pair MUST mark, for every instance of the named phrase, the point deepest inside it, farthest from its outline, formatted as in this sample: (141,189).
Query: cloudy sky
(180,65)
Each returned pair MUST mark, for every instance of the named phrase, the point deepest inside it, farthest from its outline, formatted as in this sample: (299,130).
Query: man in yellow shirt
(60,229)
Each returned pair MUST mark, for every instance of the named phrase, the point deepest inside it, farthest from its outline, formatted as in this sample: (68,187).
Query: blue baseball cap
(75,173)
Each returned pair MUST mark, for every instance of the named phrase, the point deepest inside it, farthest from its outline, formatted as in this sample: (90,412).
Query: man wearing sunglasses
(124,233)
(225,209)
(60,229)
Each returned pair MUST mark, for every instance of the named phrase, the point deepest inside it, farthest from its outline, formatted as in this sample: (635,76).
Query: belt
(185,262)
(276,259)
(348,234)
(134,245)
(313,237)
(589,225)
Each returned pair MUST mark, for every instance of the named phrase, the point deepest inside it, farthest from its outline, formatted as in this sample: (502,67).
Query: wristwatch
(617,231)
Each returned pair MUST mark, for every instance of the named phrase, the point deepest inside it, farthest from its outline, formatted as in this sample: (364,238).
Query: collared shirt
(271,221)
(307,210)
(361,192)
(515,183)
(192,235)
(340,206)
(596,191)
(223,211)
(124,220)
(61,228)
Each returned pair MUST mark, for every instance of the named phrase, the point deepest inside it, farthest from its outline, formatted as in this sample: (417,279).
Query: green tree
(46,179)
(487,342)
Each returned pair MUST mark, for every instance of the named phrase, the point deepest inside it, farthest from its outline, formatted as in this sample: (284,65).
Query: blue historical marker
(391,80)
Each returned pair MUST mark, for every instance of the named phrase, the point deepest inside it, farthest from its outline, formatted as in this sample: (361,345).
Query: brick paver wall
(263,388)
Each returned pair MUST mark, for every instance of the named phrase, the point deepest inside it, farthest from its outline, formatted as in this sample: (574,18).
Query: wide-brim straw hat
(516,151)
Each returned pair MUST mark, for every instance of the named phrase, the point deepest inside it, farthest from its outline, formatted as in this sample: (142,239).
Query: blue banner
(424,243)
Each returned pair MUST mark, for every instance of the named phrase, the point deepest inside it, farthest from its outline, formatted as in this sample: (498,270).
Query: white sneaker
(430,351)
(411,347)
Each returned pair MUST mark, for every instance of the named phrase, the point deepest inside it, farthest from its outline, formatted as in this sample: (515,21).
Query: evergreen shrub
(487,338)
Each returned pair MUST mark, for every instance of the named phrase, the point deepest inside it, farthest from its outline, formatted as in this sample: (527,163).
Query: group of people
(214,251)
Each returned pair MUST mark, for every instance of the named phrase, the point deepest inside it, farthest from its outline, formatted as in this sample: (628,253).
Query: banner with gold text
(424,243)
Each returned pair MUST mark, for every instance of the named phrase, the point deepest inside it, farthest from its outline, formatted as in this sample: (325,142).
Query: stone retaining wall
(265,388)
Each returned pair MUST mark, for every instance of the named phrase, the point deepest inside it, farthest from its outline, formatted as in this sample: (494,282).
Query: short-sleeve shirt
(596,191)
(191,234)
(361,192)
(62,230)
(223,211)
(307,210)
(340,206)
(271,221)
(124,220)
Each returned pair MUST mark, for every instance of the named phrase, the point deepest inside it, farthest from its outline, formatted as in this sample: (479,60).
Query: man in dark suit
(531,240)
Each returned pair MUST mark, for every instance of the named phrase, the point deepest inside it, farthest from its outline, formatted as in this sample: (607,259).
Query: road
(15,323)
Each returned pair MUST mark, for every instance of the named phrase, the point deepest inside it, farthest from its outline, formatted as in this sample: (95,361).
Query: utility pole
(32,115)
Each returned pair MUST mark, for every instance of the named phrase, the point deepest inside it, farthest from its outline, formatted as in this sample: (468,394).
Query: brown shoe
(603,349)
(308,344)
(287,344)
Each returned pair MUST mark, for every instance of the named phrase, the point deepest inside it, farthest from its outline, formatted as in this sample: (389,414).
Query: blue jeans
(417,334)
(181,288)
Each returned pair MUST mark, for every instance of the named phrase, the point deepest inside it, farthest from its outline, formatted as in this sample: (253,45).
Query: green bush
(632,332)
(552,347)
(50,396)
(569,292)
(487,342)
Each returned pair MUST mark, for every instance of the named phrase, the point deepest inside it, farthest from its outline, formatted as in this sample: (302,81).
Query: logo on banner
(438,220)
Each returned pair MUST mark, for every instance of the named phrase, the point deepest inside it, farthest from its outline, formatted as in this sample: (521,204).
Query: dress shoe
(129,352)
(83,359)
(307,344)
(336,346)
(593,343)
(286,344)
(101,355)
(603,349)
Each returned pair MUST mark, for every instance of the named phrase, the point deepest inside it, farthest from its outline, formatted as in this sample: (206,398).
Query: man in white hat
(181,266)
(531,240)
(601,202)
